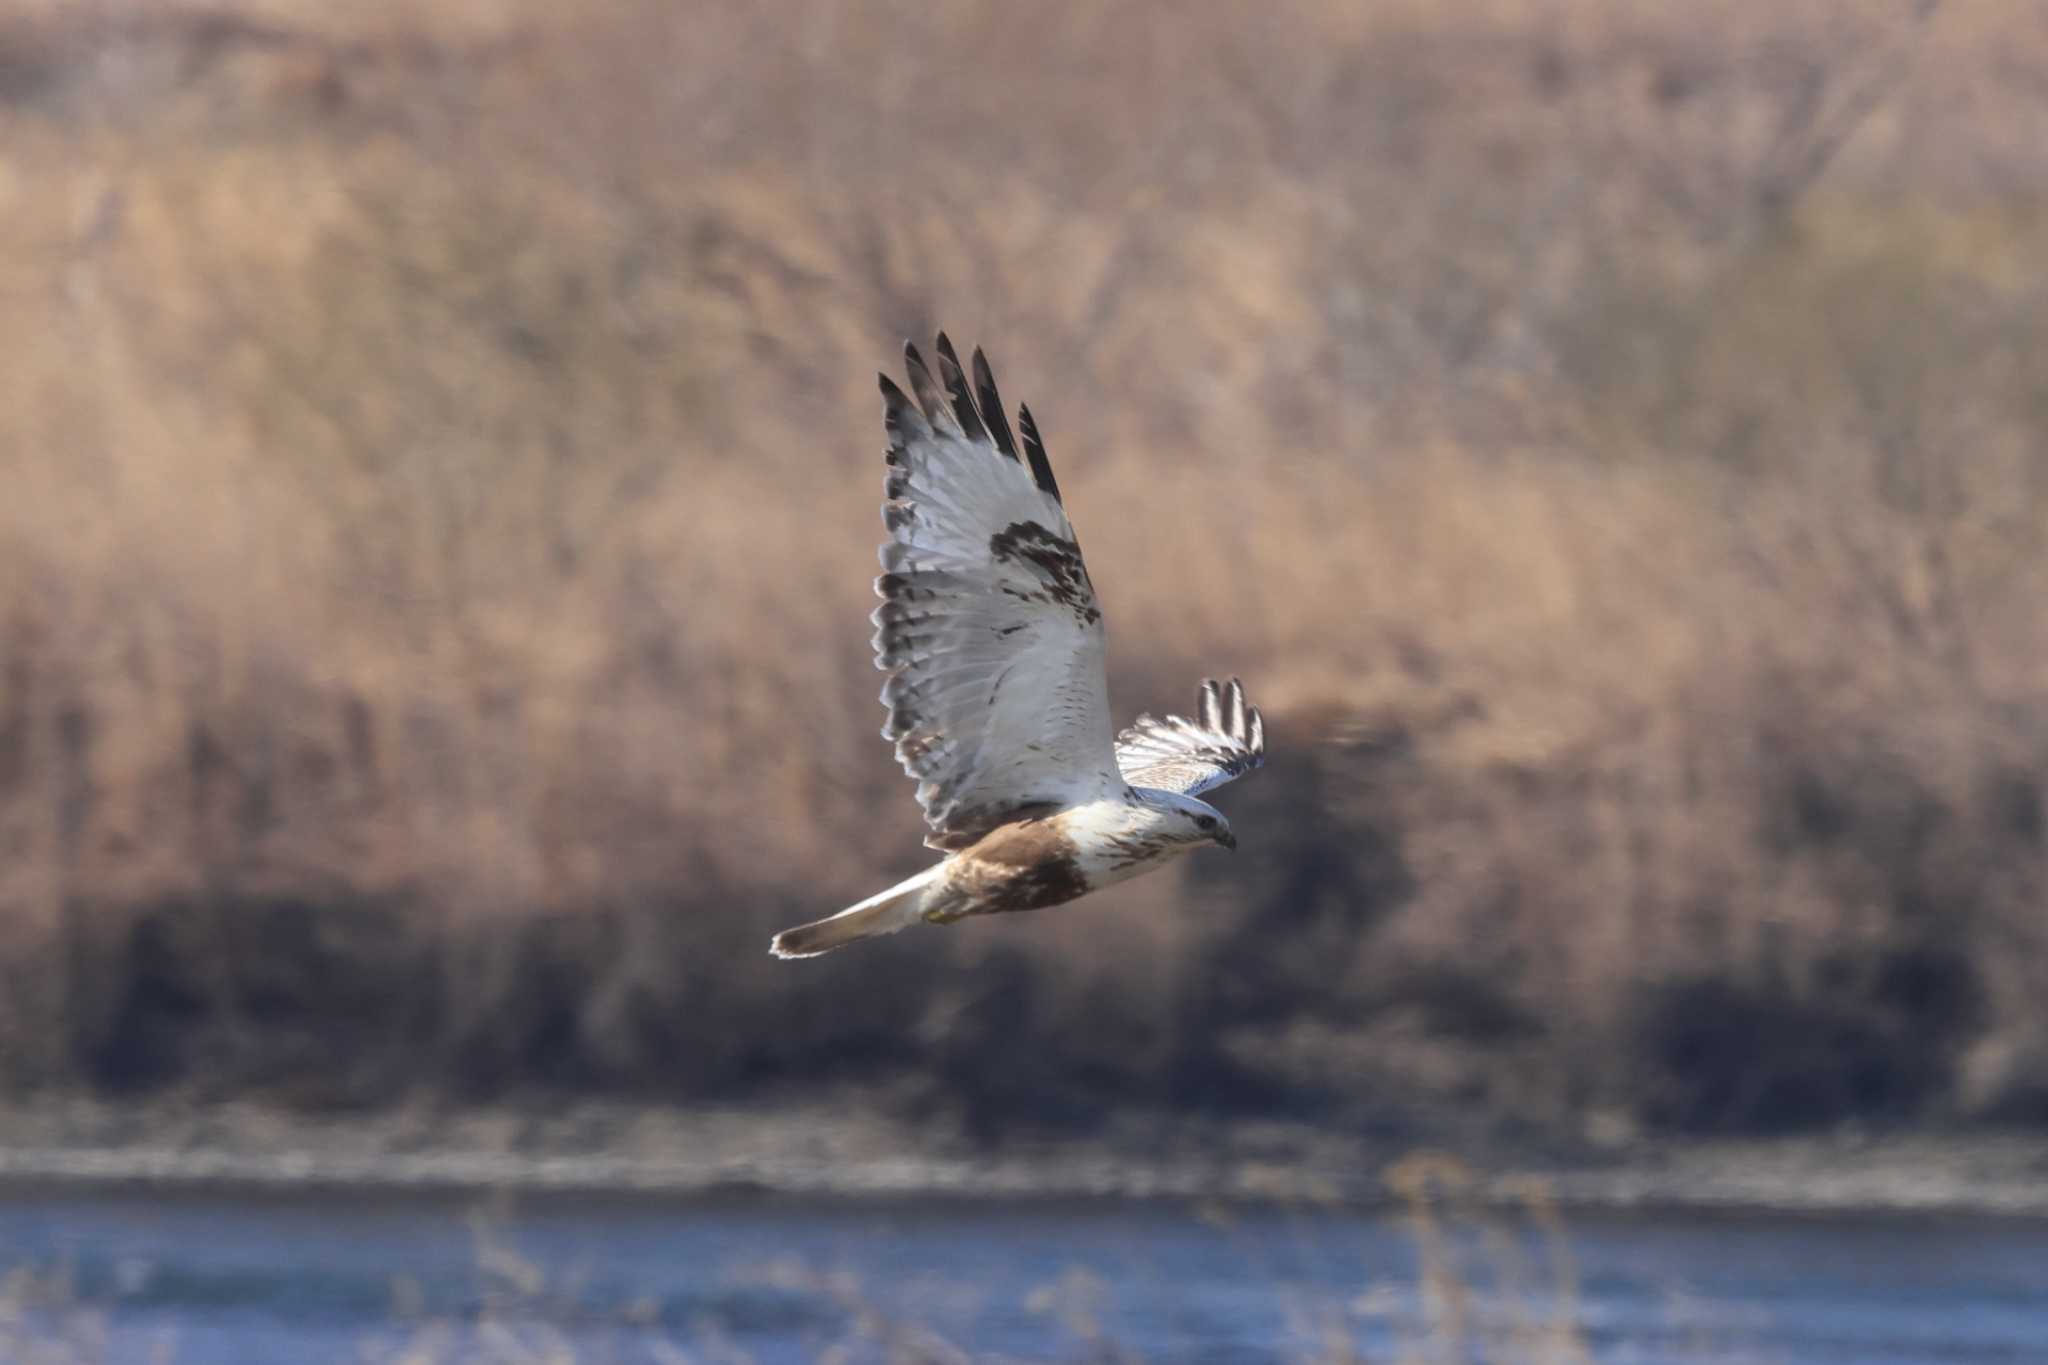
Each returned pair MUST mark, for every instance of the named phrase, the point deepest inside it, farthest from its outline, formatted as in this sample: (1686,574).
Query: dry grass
(442,467)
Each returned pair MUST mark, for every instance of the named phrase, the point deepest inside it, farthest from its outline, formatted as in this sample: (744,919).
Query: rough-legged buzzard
(998,705)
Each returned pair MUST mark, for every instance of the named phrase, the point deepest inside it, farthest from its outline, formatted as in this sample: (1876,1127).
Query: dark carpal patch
(1055,561)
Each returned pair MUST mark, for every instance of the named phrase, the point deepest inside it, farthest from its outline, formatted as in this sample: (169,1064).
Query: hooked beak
(1226,839)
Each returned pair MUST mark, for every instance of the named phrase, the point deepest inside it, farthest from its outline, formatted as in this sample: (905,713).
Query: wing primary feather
(1034,451)
(905,425)
(956,387)
(1234,699)
(991,404)
(1206,709)
(894,400)
(937,410)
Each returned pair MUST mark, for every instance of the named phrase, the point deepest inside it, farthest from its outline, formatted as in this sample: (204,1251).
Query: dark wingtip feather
(937,410)
(956,386)
(901,419)
(1034,451)
(991,404)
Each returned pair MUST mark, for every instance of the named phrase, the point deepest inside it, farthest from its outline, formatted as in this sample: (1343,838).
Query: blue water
(206,1280)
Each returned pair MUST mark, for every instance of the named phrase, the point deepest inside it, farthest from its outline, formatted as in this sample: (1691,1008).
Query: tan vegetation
(442,464)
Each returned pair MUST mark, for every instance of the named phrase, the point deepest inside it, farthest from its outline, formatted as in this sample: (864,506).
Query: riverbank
(607,1149)
(1634,537)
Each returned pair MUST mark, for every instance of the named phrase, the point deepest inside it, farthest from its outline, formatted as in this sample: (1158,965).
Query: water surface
(240,1282)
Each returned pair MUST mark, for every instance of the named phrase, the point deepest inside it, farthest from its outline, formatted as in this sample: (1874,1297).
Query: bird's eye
(1205,822)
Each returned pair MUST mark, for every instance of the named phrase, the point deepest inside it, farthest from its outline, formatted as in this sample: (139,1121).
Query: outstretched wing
(1226,739)
(988,627)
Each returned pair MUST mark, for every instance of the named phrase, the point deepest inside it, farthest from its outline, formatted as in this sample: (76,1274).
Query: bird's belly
(1025,866)
(1034,864)
(1001,889)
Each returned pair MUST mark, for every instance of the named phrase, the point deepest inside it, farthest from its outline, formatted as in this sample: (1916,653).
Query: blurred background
(442,463)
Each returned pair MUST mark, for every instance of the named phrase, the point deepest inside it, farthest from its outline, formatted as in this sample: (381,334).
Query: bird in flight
(998,703)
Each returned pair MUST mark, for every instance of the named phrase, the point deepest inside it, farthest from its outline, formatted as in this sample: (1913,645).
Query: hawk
(998,704)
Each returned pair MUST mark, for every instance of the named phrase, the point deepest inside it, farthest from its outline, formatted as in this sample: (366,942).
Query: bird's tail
(901,904)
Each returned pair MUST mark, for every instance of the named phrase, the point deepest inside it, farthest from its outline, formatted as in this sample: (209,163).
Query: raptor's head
(1191,822)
